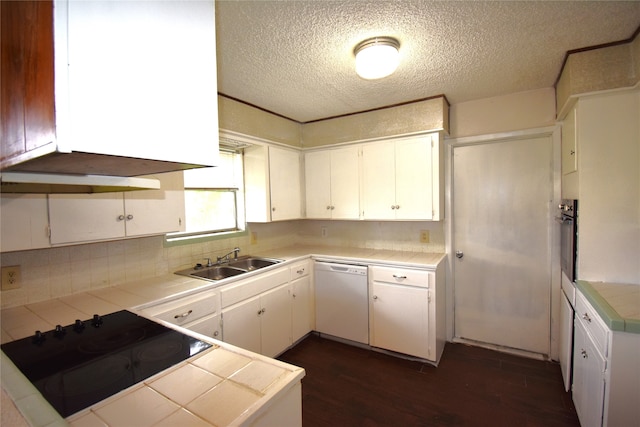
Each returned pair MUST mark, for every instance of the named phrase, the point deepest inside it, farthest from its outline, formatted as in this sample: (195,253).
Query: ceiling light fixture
(377,57)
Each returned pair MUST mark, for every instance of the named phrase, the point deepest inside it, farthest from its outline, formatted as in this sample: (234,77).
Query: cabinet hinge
(48,231)
(429,296)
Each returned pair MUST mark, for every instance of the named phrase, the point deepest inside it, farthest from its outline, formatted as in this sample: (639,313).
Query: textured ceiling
(295,58)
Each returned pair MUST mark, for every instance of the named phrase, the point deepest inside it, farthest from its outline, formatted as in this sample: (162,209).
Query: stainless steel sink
(252,263)
(217,273)
(233,268)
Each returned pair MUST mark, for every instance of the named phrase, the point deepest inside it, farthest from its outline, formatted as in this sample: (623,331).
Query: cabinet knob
(301,271)
(120,217)
(216,333)
(586,317)
(584,354)
(375,297)
(572,152)
(129,217)
(393,206)
(333,207)
(294,295)
(273,209)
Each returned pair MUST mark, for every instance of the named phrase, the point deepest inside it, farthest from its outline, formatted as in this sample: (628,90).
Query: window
(214,199)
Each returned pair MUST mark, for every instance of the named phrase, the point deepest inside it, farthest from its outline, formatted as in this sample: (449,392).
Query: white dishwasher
(342,302)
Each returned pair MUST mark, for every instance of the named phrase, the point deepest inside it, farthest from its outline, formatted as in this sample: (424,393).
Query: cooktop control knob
(96,321)
(59,331)
(38,338)
(78,326)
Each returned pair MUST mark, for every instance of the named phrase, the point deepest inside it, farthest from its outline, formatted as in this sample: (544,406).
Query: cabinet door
(208,325)
(400,319)
(318,184)
(24,222)
(414,180)
(161,211)
(276,320)
(27,91)
(241,324)
(378,181)
(569,138)
(284,175)
(588,378)
(302,315)
(345,183)
(86,217)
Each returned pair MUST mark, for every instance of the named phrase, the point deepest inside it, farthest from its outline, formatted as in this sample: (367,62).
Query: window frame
(234,142)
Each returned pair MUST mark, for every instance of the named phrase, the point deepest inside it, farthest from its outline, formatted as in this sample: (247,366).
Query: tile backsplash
(60,271)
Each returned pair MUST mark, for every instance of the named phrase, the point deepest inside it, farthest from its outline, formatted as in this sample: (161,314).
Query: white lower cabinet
(588,378)
(302,304)
(261,324)
(268,313)
(403,311)
(400,318)
(606,370)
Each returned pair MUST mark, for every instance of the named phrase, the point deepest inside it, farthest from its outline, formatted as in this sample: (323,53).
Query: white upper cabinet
(332,183)
(401,179)
(104,216)
(272,183)
(24,222)
(130,79)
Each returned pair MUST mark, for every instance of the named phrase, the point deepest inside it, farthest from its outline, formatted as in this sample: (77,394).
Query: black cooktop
(77,365)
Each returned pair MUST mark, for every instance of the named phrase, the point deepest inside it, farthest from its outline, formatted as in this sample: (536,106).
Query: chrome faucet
(225,258)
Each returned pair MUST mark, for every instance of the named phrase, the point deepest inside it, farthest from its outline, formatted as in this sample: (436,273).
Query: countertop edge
(609,315)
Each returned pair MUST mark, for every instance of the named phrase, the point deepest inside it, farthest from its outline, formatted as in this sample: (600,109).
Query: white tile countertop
(618,304)
(227,385)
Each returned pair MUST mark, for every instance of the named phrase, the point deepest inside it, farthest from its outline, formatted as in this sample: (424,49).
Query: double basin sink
(234,267)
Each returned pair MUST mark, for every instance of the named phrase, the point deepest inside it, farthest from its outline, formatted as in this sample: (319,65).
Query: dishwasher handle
(360,270)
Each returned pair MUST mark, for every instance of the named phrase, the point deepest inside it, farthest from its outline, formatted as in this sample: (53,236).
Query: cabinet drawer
(187,309)
(300,269)
(592,322)
(401,276)
(244,289)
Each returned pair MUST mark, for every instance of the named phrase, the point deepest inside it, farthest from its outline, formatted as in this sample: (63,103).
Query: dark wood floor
(472,386)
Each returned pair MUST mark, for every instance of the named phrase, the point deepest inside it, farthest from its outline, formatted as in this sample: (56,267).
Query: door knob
(459,254)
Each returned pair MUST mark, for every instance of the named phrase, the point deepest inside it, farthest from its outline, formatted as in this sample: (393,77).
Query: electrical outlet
(10,277)
(424,236)
(324,232)
(254,237)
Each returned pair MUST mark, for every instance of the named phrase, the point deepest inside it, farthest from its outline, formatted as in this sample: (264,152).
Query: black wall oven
(569,237)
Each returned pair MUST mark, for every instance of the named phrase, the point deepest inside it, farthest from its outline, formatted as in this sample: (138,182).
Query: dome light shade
(377,57)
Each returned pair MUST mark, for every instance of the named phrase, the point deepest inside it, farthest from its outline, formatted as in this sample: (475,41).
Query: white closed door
(502,196)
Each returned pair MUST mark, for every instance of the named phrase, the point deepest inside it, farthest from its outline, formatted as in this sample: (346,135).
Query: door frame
(554,132)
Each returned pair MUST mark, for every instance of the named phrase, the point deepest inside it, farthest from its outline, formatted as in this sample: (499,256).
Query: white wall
(512,112)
